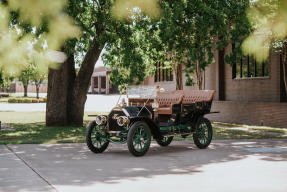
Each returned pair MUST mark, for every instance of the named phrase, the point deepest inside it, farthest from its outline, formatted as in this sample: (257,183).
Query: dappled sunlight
(39,133)
(16,173)
(73,167)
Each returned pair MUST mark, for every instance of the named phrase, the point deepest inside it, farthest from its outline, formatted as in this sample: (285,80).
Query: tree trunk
(37,90)
(25,90)
(59,82)
(67,92)
(81,86)
(178,76)
(199,77)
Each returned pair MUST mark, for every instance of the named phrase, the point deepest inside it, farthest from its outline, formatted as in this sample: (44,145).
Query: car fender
(155,130)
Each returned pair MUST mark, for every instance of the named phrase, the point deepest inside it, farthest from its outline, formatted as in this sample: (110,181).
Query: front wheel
(165,141)
(203,134)
(96,138)
(139,138)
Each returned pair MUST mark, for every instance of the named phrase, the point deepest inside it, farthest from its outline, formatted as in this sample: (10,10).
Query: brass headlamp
(101,120)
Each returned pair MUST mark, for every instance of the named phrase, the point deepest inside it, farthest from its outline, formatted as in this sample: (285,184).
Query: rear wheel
(165,141)
(96,138)
(139,138)
(203,134)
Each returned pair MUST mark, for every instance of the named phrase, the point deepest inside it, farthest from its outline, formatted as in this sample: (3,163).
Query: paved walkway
(226,166)
(101,103)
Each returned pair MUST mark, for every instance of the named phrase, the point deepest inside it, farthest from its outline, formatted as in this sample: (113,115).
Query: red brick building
(248,93)
(17,87)
(100,83)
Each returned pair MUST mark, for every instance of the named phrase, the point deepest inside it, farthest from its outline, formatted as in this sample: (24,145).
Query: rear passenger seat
(194,96)
(167,100)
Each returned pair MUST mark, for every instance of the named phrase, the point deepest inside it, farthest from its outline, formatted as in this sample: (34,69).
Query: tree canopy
(185,34)
(99,28)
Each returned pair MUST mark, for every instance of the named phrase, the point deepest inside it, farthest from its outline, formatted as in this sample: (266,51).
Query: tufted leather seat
(166,101)
(194,96)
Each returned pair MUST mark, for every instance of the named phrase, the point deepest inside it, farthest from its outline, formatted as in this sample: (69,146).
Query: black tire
(136,138)
(203,134)
(96,134)
(165,141)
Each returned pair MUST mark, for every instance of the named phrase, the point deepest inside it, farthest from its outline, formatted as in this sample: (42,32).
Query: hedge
(27,100)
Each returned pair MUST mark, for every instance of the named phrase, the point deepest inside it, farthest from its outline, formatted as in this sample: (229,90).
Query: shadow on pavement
(74,164)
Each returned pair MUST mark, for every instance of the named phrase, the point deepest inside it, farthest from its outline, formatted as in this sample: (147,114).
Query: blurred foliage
(5,81)
(33,29)
(25,75)
(32,73)
(269,20)
(37,75)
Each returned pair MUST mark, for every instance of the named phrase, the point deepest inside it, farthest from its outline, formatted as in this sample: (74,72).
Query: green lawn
(249,133)
(39,133)
(31,117)
(30,128)
(22,117)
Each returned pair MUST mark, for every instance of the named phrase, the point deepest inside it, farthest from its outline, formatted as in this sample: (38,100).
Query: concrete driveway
(230,165)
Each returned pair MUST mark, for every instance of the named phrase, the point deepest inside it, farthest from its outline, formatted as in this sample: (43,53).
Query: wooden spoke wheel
(165,141)
(96,138)
(139,138)
(203,134)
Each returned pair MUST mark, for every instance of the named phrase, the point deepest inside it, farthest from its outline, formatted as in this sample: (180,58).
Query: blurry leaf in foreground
(56,56)
(269,19)
(13,53)
(19,45)
(34,10)
(61,29)
(123,9)
(257,45)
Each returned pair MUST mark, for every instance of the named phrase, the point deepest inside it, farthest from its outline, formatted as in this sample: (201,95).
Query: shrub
(18,100)
(44,99)
(27,101)
(12,100)
(35,100)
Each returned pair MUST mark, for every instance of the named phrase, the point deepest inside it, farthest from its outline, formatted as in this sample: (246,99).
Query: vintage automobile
(153,114)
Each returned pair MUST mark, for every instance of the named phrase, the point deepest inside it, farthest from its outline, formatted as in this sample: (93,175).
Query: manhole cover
(265,150)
